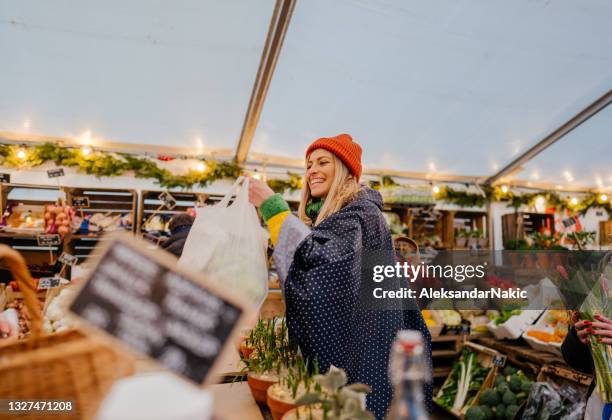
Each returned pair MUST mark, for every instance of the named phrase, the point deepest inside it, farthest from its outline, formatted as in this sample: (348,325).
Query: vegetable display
(505,315)
(502,401)
(464,382)
(546,401)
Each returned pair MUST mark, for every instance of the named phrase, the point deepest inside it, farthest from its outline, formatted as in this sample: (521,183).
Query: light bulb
(540,204)
(86,151)
(603,197)
(574,201)
(257,176)
(21,154)
(435,189)
(504,189)
(201,166)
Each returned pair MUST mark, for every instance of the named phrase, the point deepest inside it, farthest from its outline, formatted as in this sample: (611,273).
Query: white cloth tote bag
(228,244)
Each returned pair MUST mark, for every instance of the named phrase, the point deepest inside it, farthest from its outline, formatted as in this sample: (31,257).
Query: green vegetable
(506,314)
(500,380)
(490,397)
(509,398)
(488,413)
(511,411)
(509,370)
(502,388)
(515,383)
(526,386)
(500,411)
(475,413)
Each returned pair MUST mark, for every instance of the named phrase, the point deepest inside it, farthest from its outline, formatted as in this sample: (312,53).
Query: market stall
(489,148)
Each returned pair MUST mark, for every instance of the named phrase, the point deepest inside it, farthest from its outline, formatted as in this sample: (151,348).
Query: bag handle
(225,200)
(17,266)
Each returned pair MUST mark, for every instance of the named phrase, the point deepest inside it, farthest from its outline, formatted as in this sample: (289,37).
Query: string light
(540,204)
(504,189)
(201,166)
(257,176)
(21,154)
(435,189)
(86,150)
(603,197)
(574,201)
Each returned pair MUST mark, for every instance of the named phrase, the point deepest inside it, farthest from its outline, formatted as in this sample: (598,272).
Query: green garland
(102,164)
(281,185)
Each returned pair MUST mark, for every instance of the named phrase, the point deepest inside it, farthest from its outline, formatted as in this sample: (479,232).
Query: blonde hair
(343,190)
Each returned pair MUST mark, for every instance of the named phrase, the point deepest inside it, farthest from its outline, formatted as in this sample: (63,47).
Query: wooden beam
(553,137)
(272,48)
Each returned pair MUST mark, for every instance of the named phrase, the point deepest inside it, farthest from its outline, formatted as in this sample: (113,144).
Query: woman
(577,353)
(320,269)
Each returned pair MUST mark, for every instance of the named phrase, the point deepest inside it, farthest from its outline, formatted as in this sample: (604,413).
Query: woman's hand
(259,192)
(583,328)
(602,329)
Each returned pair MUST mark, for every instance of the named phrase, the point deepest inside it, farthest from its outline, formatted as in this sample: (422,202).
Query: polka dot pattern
(324,311)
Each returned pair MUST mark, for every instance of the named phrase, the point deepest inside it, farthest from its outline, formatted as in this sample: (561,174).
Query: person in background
(320,268)
(576,351)
(179,227)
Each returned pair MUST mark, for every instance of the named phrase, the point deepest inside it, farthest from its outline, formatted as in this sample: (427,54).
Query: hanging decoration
(281,185)
(106,164)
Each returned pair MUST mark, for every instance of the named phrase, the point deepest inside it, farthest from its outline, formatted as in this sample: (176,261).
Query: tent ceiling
(438,86)
(583,159)
(161,73)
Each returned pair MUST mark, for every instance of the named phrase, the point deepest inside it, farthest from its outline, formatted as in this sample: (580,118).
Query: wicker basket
(63,366)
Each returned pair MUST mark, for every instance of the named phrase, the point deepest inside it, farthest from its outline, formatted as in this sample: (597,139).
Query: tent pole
(272,48)
(556,135)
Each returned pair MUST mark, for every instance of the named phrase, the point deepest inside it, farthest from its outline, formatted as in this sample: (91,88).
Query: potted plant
(271,353)
(473,239)
(335,400)
(461,238)
(282,396)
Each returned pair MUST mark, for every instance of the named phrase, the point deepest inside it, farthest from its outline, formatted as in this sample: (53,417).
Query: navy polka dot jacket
(322,293)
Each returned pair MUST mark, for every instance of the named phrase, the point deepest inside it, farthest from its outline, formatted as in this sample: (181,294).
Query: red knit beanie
(344,148)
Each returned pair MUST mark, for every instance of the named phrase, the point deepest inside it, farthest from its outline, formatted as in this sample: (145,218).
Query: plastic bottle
(408,372)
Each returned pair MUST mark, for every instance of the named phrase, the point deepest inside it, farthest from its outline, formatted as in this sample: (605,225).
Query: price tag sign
(68,259)
(5,178)
(48,239)
(499,360)
(80,202)
(55,173)
(465,328)
(142,299)
(167,200)
(49,282)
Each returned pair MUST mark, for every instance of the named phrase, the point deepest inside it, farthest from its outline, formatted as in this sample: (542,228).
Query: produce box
(505,397)
(548,333)
(558,393)
(516,325)
(481,376)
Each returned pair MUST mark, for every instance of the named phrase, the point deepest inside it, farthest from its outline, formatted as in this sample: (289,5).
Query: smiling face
(320,170)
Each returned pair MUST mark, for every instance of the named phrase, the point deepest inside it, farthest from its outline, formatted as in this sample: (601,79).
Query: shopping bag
(228,245)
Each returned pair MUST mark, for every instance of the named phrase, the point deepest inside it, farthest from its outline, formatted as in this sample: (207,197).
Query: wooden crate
(106,201)
(39,259)
(520,225)
(559,375)
(486,357)
(605,233)
(150,204)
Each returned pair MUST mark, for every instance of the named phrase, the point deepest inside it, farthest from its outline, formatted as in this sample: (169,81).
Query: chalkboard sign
(48,239)
(49,282)
(141,298)
(167,200)
(5,178)
(80,202)
(68,259)
(55,173)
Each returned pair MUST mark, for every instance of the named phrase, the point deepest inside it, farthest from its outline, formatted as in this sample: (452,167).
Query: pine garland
(281,185)
(105,164)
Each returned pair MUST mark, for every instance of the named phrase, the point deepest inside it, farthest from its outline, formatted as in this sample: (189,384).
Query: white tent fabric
(138,71)
(441,86)
(449,86)
(583,159)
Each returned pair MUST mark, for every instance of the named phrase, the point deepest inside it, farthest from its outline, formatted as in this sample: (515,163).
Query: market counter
(234,402)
